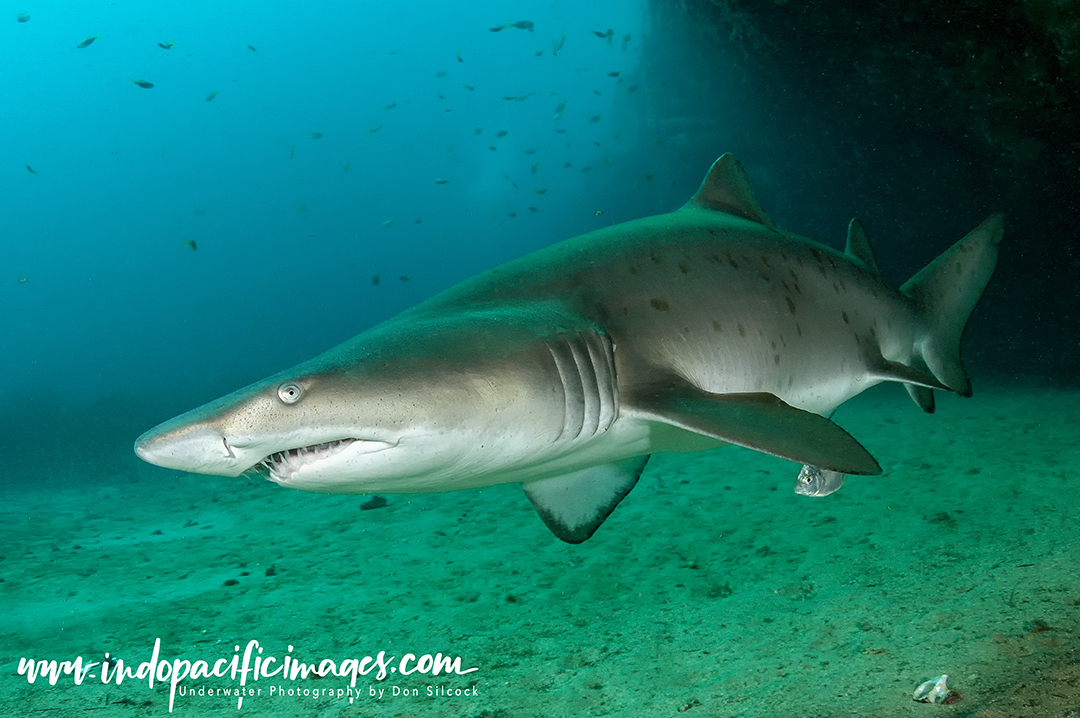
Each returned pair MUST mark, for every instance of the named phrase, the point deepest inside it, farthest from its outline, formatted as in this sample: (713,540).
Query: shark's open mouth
(284,464)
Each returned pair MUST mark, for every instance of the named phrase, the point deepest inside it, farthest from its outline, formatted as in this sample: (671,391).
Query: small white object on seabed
(935,691)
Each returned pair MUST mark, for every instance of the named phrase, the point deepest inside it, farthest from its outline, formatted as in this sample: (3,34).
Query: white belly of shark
(565,369)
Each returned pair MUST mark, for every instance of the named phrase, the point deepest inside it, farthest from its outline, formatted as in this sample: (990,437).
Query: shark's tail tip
(946,292)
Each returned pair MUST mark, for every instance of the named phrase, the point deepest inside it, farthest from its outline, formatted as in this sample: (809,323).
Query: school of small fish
(557,45)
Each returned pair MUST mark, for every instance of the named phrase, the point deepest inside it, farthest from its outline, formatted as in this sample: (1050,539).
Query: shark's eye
(290,392)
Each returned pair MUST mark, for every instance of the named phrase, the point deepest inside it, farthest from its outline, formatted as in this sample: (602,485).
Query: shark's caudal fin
(946,292)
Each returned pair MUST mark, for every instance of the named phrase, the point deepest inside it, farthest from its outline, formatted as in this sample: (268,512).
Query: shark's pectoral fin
(574,505)
(759,421)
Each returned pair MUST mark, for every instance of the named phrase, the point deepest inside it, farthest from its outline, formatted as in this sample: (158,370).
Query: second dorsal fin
(858,246)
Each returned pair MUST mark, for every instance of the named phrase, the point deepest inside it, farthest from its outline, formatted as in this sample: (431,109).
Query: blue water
(101,292)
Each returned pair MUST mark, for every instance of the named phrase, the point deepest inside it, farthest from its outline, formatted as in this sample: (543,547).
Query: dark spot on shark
(656,258)
(684,268)
(732,262)
(742,330)
(766,278)
(765,261)
(717,327)
(845,316)
(790,304)
(634,270)
(716,259)
(836,287)
(659,304)
(776,359)
(798,328)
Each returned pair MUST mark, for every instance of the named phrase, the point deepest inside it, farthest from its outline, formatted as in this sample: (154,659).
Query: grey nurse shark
(565,369)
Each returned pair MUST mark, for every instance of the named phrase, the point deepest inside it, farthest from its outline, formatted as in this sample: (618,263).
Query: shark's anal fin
(759,421)
(574,505)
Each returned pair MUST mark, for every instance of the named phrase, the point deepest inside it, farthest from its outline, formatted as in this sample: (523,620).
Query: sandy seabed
(713,590)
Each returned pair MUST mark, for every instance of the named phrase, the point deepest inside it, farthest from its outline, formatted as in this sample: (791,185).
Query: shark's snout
(199,449)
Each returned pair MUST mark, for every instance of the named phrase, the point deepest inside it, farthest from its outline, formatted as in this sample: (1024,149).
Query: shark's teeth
(283,464)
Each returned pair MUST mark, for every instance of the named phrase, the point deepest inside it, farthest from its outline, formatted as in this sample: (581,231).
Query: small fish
(605,35)
(211,96)
(505,177)
(496,29)
(166,45)
(501,133)
(595,118)
(388,222)
(23,18)
(417,221)
(540,191)
(559,110)
(292,152)
(375,280)
(479,131)
(586,169)
(144,84)
(538,53)
(613,74)
(346,167)
(566,165)
(631,89)
(391,106)
(561,132)
(441,73)
(511,214)
(459,58)
(442,181)
(404,278)
(470,88)
(316,135)
(31,170)
(556,45)
(253,49)
(522,25)
(625,42)
(87,42)
(533,209)
(530,151)
(376,128)
(535,168)
(492,148)
(191,243)
(302,208)
(816,481)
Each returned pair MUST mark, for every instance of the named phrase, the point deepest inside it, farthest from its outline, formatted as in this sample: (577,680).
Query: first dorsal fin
(858,246)
(726,189)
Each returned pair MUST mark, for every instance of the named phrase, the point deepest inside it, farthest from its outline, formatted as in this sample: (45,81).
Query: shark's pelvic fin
(574,505)
(726,189)
(759,421)
(946,291)
(858,246)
